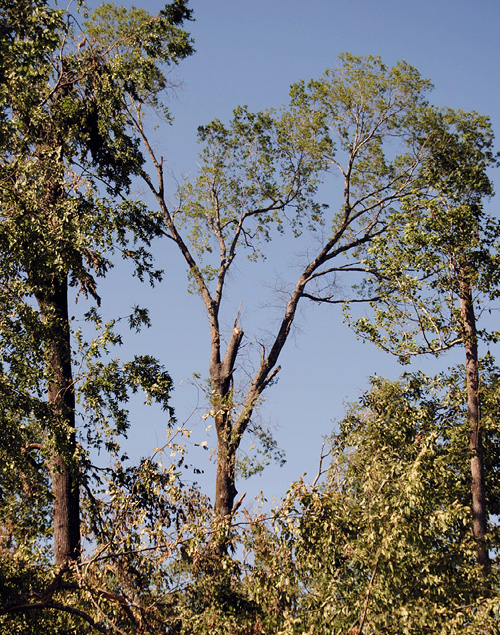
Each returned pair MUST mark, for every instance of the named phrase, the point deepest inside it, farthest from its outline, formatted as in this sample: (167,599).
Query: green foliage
(383,545)
(125,54)
(250,172)
(363,104)
(261,172)
(144,528)
(260,454)
(64,141)
(105,388)
(441,236)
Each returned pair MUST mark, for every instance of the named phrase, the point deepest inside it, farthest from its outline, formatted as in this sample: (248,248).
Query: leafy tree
(156,560)
(438,266)
(66,163)
(143,523)
(260,174)
(381,541)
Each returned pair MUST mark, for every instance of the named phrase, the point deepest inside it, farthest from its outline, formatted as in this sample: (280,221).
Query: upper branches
(440,241)
(261,173)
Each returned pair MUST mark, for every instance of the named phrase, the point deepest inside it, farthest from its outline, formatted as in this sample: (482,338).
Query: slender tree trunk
(478,488)
(53,303)
(225,489)
(221,373)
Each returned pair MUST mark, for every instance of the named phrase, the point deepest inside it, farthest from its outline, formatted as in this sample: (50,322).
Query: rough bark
(64,472)
(225,489)
(221,375)
(478,487)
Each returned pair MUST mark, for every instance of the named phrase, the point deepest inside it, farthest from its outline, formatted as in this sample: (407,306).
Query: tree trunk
(478,488)
(64,472)
(225,489)
(221,373)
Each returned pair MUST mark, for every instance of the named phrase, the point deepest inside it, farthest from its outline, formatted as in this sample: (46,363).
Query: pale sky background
(249,53)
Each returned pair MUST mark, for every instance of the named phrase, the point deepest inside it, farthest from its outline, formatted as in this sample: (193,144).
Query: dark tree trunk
(478,488)
(225,490)
(64,470)
(228,439)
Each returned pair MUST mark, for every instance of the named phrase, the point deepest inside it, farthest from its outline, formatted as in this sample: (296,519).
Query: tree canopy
(398,532)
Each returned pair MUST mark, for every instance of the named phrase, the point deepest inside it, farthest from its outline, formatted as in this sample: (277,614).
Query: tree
(63,129)
(142,523)
(260,174)
(437,263)
(381,541)
(66,163)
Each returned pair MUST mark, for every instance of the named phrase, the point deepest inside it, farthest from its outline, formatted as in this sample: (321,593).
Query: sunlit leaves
(441,235)
(64,142)
(384,541)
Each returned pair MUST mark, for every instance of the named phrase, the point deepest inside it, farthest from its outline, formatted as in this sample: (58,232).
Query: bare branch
(330,300)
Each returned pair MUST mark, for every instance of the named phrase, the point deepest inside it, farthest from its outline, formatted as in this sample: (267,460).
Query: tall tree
(259,174)
(438,265)
(62,133)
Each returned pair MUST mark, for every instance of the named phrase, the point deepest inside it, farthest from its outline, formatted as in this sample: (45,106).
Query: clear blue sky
(249,52)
